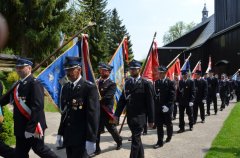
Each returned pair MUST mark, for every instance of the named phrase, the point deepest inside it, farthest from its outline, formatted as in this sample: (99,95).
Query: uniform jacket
(80,113)
(224,87)
(32,93)
(186,91)
(138,99)
(164,93)
(201,89)
(107,90)
(212,85)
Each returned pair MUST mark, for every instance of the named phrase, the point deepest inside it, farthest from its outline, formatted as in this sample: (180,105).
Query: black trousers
(6,151)
(23,146)
(164,118)
(77,151)
(224,99)
(199,105)
(212,98)
(238,95)
(111,129)
(189,111)
(137,150)
(175,109)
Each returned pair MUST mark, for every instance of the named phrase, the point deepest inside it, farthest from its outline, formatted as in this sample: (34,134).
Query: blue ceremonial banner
(117,74)
(52,77)
(186,66)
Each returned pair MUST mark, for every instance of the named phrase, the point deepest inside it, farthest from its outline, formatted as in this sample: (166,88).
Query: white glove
(190,104)
(204,101)
(165,108)
(218,94)
(28,134)
(177,103)
(59,141)
(90,147)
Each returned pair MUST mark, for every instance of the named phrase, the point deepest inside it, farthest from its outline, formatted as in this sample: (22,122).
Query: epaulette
(89,82)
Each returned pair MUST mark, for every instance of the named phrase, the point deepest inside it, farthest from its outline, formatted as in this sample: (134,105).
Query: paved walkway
(190,144)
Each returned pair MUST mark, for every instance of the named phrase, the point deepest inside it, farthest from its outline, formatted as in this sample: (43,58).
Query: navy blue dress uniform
(137,96)
(176,99)
(237,88)
(213,88)
(231,84)
(80,113)
(107,90)
(224,90)
(201,89)
(186,98)
(32,94)
(5,150)
(164,98)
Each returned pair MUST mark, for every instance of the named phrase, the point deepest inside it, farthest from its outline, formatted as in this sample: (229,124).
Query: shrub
(6,132)
(12,77)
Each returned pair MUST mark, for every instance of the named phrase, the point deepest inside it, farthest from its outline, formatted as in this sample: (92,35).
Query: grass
(49,106)
(227,142)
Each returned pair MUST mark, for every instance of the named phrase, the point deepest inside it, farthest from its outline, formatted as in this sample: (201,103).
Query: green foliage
(176,31)
(116,32)
(34,25)
(226,144)
(49,106)
(12,77)
(8,51)
(7,131)
(2,75)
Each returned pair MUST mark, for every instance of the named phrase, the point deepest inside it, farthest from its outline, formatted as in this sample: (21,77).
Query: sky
(144,17)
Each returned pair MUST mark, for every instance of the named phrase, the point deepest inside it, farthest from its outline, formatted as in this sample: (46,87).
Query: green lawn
(227,142)
(49,106)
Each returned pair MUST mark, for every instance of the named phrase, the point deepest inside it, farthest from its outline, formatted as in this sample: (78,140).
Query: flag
(234,77)
(186,66)
(117,73)
(150,71)
(125,48)
(52,76)
(87,70)
(209,64)
(197,67)
(174,69)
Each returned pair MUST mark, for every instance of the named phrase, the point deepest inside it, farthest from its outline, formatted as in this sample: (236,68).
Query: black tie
(72,86)
(134,81)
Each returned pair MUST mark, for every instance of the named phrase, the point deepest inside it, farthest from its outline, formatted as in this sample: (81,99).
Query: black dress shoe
(168,139)
(97,151)
(119,145)
(144,133)
(181,131)
(191,129)
(158,145)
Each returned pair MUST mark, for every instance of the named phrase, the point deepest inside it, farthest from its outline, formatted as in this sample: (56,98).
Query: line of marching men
(86,108)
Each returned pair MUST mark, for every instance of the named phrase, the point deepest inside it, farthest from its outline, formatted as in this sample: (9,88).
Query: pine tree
(95,10)
(34,25)
(116,32)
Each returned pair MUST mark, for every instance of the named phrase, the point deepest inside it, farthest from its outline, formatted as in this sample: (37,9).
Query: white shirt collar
(76,81)
(136,79)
